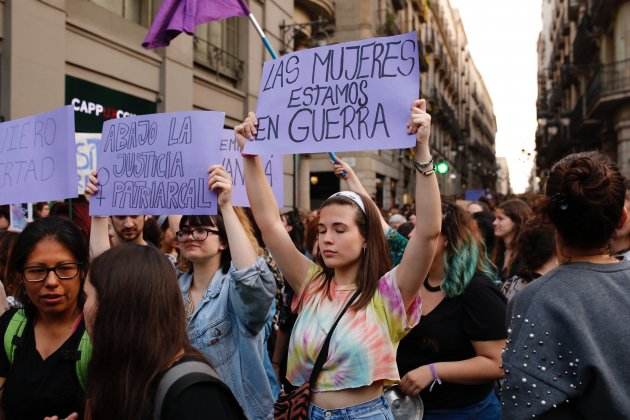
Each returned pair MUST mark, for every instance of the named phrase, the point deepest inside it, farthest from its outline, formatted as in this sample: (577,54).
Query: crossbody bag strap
(175,373)
(323,353)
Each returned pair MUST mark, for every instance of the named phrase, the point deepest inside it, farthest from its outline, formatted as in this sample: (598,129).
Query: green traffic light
(441,167)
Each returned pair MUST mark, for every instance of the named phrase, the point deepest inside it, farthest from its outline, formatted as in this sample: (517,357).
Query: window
(216,47)
(138,11)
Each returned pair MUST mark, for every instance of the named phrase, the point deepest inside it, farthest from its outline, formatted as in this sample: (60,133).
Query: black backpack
(178,378)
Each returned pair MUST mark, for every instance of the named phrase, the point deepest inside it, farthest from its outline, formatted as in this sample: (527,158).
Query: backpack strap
(13,334)
(81,365)
(173,374)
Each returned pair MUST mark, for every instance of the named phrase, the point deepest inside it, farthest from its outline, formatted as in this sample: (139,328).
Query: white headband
(356,198)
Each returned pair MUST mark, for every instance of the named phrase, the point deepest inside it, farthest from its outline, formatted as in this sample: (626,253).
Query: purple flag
(177,16)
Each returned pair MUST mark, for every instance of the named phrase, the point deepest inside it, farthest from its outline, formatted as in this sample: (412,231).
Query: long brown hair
(11,281)
(374,262)
(465,254)
(139,328)
(519,212)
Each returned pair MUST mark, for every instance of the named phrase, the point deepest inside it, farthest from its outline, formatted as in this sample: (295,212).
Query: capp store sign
(90,108)
(94,104)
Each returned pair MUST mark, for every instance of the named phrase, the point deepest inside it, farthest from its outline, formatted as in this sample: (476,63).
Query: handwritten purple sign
(37,158)
(344,97)
(157,164)
(232,161)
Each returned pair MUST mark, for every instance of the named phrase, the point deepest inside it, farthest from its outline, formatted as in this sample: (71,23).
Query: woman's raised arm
(292,263)
(418,255)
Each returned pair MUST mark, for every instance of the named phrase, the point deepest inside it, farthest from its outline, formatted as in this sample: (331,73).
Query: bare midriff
(331,400)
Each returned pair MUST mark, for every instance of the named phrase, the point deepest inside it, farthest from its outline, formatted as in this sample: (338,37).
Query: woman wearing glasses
(42,343)
(227,294)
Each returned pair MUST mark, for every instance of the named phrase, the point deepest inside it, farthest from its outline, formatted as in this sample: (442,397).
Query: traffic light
(441,167)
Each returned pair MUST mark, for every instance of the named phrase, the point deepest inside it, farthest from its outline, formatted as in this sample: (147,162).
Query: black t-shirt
(445,335)
(201,401)
(36,388)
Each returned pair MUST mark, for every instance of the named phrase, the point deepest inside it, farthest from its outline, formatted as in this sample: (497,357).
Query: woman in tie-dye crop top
(352,256)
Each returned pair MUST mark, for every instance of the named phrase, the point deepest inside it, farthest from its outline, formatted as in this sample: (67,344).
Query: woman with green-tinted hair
(453,356)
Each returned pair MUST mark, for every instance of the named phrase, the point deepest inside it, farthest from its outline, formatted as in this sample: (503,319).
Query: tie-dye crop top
(363,346)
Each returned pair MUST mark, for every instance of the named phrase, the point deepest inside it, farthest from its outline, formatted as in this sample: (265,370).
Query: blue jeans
(487,409)
(377,409)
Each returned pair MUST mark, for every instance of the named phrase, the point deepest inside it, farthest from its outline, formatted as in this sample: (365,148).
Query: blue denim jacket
(228,328)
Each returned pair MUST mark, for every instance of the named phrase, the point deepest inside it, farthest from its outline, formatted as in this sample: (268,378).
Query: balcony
(317,8)
(555,97)
(542,106)
(567,74)
(574,10)
(603,11)
(218,60)
(584,45)
(442,111)
(430,41)
(424,64)
(609,88)
(420,8)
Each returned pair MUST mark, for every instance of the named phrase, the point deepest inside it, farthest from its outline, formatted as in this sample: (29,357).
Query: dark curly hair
(536,245)
(585,198)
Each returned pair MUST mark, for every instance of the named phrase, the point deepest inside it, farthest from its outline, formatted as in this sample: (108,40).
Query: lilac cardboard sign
(232,161)
(157,164)
(37,158)
(344,97)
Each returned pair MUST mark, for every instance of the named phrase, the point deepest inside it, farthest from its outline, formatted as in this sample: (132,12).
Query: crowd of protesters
(483,310)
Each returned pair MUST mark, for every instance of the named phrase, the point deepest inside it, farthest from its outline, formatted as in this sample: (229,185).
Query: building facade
(583,81)
(503,177)
(88,54)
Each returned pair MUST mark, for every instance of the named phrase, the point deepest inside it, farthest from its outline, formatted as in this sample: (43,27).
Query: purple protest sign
(343,97)
(232,161)
(157,164)
(37,160)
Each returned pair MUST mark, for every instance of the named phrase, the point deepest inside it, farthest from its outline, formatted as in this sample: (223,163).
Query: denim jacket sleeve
(253,289)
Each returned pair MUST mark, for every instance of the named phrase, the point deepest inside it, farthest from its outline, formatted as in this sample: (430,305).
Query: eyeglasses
(64,271)
(197,234)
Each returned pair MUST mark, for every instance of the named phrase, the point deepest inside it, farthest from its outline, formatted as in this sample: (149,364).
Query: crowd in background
(518,312)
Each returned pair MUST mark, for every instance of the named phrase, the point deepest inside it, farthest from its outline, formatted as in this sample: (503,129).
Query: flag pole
(274,55)
(262,35)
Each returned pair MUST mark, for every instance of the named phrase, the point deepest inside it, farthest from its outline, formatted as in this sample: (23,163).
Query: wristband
(425,168)
(434,375)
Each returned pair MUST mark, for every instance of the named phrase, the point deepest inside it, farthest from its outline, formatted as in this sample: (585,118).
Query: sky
(502,37)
